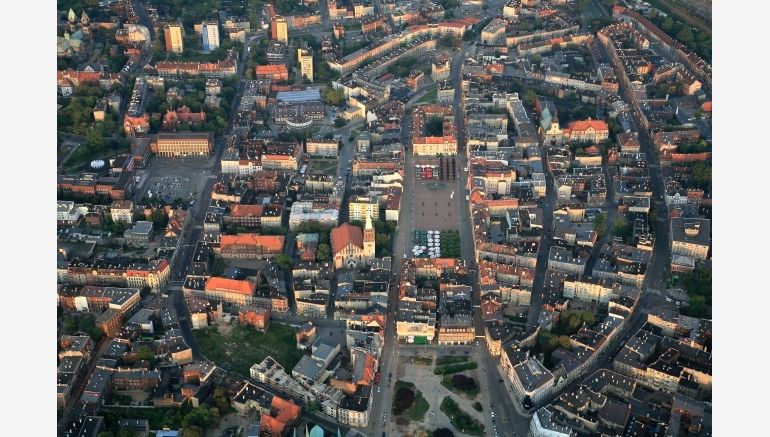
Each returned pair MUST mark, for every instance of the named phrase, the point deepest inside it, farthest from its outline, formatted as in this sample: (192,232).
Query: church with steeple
(75,33)
(353,248)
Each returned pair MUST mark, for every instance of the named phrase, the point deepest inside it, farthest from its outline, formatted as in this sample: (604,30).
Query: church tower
(85,22)
(369,235)
(71,22)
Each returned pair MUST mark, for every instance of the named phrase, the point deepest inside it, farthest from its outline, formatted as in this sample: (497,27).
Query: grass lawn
(245,346)
(327,166)
(416,409)
(470,388)
(461,420)
(429,97)
(422,360)
(454,368)
(450,359)
(450,244)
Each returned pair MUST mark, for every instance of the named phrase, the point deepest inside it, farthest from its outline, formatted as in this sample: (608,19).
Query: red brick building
(275,72)
(257,317)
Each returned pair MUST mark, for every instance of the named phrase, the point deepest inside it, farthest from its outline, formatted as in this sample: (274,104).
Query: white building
(589,290)
(306,212)
(210,35)
(542,425)
(122,211)
(66,212)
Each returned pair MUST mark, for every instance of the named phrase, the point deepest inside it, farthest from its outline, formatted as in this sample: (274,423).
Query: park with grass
(450,244)
(426,361)
(461,420)
(429,97)
(326,166)
(461,384)
(408,402)
(448,365)
(240,347)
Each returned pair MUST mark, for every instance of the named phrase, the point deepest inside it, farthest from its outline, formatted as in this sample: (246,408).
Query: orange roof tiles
(369,369)
(287,411)
(273,243)
(247,210)
(271,425)
(231,285)
(276,157)
(584,125)
(503,203)
(345,234)
(476,196)
(495,68)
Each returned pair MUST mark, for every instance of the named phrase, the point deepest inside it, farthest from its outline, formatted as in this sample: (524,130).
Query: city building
(494,32)
(258,317)
(274,72)
(352,247)
(594,131)
(139,235)
(431,144)
(440,69)
(184,144)
(279,29)
(250,246)
(305,60)
(360,207)
(234,291)
(415,79)
(174,34)
(210,35)
(321,147)
(690,237)
(122,211)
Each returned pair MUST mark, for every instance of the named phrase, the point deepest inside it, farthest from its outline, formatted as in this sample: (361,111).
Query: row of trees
(74,322)
(77,115)
(403,66)
(193,421)
(694,38)
(383,234)
(698,286)
(333,97)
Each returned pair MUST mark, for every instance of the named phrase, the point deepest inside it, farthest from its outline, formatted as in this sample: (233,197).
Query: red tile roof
(273,243)
(271,70)
(345,234)
(287,411)
(584,125)
(246,210)
(231,285)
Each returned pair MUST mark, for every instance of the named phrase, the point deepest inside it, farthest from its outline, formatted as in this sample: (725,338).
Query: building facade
(351,247)
(305,59)
(174,33)
(210,35)
(185,144)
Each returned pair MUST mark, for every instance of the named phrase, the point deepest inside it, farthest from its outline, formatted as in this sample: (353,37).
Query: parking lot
(433,206)
(169,188)
(170,179)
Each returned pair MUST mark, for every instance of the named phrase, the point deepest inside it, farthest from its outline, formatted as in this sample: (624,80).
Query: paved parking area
(174,178)
(169,187)
(434,206)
